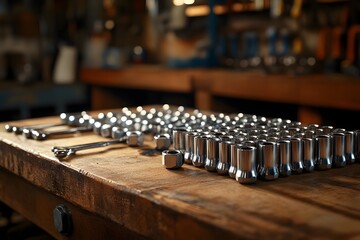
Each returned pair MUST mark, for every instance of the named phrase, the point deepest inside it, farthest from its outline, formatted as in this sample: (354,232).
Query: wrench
(132,138)
(42,135)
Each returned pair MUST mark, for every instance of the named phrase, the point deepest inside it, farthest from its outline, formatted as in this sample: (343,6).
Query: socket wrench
(43,135)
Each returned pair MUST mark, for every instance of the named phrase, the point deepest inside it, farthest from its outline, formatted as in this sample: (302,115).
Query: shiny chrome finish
(179,138)
(199,151)
(284,158)
(349,147)
(323,148)
(132,139)
(339,149)
(233,159)
(309,154)
(212,153)
(189,147)
(357,145)
(269,169)
(246,161)
(43,135)
(172,159)
(296,155)
(162,141)
(224,158)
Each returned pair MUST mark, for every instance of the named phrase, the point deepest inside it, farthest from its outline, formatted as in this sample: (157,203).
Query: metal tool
(357,145)
(19,130)
(133,138)
(199,151)
(212,153)
(246,161)
(269,169)
(224,157)
(162,141)
(179,138)
(339,150)
(189,147)
(284,158)
(323,147)
(309,154)
(172,159)
(349,147)
(296,155)
(233,159)
(42,135)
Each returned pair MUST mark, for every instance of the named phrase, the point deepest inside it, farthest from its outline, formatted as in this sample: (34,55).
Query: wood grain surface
(133,190)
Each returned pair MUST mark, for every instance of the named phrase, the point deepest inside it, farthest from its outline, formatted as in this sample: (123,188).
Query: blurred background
(61,55)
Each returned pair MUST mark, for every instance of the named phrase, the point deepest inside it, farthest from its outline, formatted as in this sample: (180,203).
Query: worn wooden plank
(135,191)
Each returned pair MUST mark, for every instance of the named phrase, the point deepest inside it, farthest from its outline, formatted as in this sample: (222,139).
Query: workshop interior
(250,89)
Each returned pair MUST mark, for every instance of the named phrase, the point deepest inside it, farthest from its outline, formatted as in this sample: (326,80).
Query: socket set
(243,146)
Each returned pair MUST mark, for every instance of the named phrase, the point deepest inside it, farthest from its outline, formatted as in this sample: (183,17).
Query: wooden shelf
(307,92)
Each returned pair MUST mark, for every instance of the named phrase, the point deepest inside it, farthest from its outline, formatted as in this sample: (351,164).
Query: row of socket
(249,153)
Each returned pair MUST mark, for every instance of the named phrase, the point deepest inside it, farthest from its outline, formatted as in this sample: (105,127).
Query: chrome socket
(284,158)
(309,154)
(246,161)
(339,150)
(268,168)
(349,147)
(199,157)
(323,149)
(178,134)
(189,147)
(224,158)
(296,155)
(212,153)
(357,145)
(233,159)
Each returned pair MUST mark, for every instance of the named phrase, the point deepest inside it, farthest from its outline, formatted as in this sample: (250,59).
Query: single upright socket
(224,158)
(309,154)
(339,149)
(323,148)
(199,151)
(233,159)
(284,158)
(189,146)
(269,169)
(349,147)
(212,153)
(357,145)
(246,162)
(179,138)
(172,159)
(296,155)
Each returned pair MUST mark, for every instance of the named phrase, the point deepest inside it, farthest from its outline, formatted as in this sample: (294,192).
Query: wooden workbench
(118,193)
